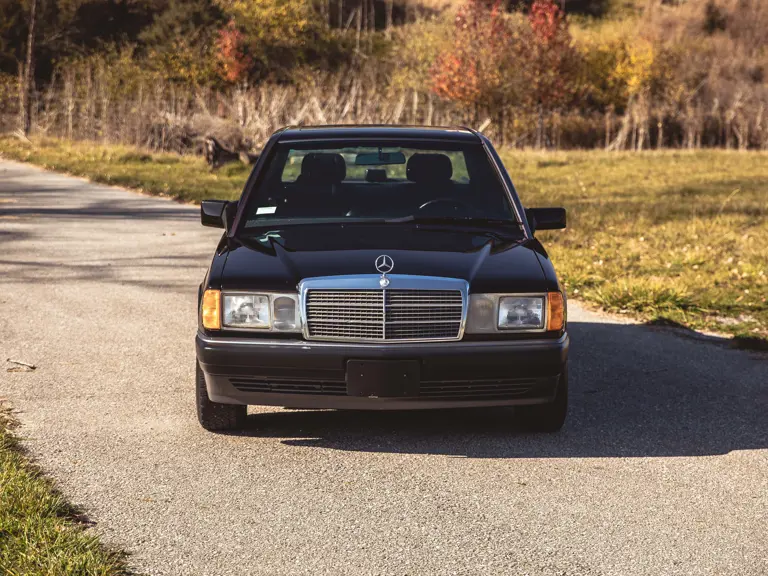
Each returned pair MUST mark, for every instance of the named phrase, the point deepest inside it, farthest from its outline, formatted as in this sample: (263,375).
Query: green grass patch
(185,178)
(39,532)
(671,235)
(674,235)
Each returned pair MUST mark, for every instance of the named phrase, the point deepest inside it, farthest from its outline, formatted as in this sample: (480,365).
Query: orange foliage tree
(498,63)
(479,71)
(552,58)
(234,61)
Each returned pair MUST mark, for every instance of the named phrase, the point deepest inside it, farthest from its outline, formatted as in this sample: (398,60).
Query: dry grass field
(670,236)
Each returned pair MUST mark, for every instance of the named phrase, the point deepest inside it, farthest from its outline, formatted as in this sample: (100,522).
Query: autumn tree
(180,43)
(550,62)
(235,63)
(480,69)
(280,36)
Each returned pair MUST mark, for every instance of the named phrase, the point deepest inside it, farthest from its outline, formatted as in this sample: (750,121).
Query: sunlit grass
(681,236)
(38,535)
(183,177)
(674,235)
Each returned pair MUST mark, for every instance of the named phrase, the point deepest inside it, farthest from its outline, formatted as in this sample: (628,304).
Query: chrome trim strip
(383,307)
(285,343)
(370,282)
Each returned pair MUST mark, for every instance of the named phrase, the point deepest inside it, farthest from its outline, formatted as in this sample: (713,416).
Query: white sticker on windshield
(266,210)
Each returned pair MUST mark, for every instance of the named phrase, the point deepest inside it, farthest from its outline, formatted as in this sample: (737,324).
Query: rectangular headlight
(247,311)
(493,313)
(265,311)
(521,313)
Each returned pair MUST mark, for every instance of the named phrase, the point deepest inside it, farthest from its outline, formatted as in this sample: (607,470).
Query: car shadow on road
(636,391)
(144,271)
(47,203)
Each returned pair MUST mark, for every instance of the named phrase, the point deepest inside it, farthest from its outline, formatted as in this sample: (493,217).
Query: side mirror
(218,213)
(211,212)
(545,218)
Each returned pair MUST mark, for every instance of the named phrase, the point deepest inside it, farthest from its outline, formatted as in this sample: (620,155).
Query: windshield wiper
(256,227)
(460,220)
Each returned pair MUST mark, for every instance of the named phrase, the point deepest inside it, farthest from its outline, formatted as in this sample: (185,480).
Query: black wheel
(548,417)
(215,415)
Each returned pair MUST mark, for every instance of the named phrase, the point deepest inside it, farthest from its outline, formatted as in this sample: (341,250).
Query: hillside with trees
(164,74)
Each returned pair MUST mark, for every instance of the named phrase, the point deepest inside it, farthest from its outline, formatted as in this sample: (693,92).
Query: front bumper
(302,374)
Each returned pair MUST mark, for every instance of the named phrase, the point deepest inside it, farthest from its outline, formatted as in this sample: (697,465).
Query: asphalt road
(662,468)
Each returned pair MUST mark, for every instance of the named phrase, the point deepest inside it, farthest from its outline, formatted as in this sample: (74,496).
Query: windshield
(358,183)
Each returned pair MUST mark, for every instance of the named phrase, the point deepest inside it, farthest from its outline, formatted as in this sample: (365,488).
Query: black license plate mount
(383,378)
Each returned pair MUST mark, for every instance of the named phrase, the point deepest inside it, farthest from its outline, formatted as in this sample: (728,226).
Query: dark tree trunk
(29,73)
(500,120)
(608,127)
(540,129)
(325,12)
(660,135)
(359,25)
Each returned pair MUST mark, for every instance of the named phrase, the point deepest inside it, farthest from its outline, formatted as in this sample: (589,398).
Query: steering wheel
(446,206)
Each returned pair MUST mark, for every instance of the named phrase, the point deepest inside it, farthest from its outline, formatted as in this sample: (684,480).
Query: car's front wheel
(215,416)
(548,417)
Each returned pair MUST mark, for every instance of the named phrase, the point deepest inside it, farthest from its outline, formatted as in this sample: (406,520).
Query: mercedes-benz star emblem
(384,264)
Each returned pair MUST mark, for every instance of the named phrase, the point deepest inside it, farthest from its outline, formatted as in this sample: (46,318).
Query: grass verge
(672,236)
(676,236)
(185,178)
(39,531)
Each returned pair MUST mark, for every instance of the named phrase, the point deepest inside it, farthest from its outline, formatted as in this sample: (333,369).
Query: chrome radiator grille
(422,314)
(389,314)
(353,315)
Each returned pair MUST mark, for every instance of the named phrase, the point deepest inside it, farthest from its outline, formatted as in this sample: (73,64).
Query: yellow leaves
(182,61)
(273,21)
(636,68)
(634,64)
(617,66)
(278,35)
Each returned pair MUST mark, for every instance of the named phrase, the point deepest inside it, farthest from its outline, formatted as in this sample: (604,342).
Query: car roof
(373,132)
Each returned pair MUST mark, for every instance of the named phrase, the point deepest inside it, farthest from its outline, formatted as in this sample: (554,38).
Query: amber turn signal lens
(555,311)
(211,310)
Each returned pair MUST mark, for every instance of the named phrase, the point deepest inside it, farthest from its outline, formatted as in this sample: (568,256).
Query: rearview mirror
(379,159)
(218,213)
(545,218)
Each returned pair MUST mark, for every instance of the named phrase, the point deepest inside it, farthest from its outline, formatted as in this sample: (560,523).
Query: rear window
(339,183)
(292,168)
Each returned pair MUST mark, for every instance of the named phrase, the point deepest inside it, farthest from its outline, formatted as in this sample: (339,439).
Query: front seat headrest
(323,168)
(429,168)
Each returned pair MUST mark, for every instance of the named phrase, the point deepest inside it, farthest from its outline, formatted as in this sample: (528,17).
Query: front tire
(548,417)
(215,416)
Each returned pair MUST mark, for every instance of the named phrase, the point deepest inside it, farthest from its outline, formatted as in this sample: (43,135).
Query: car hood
(281,258)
